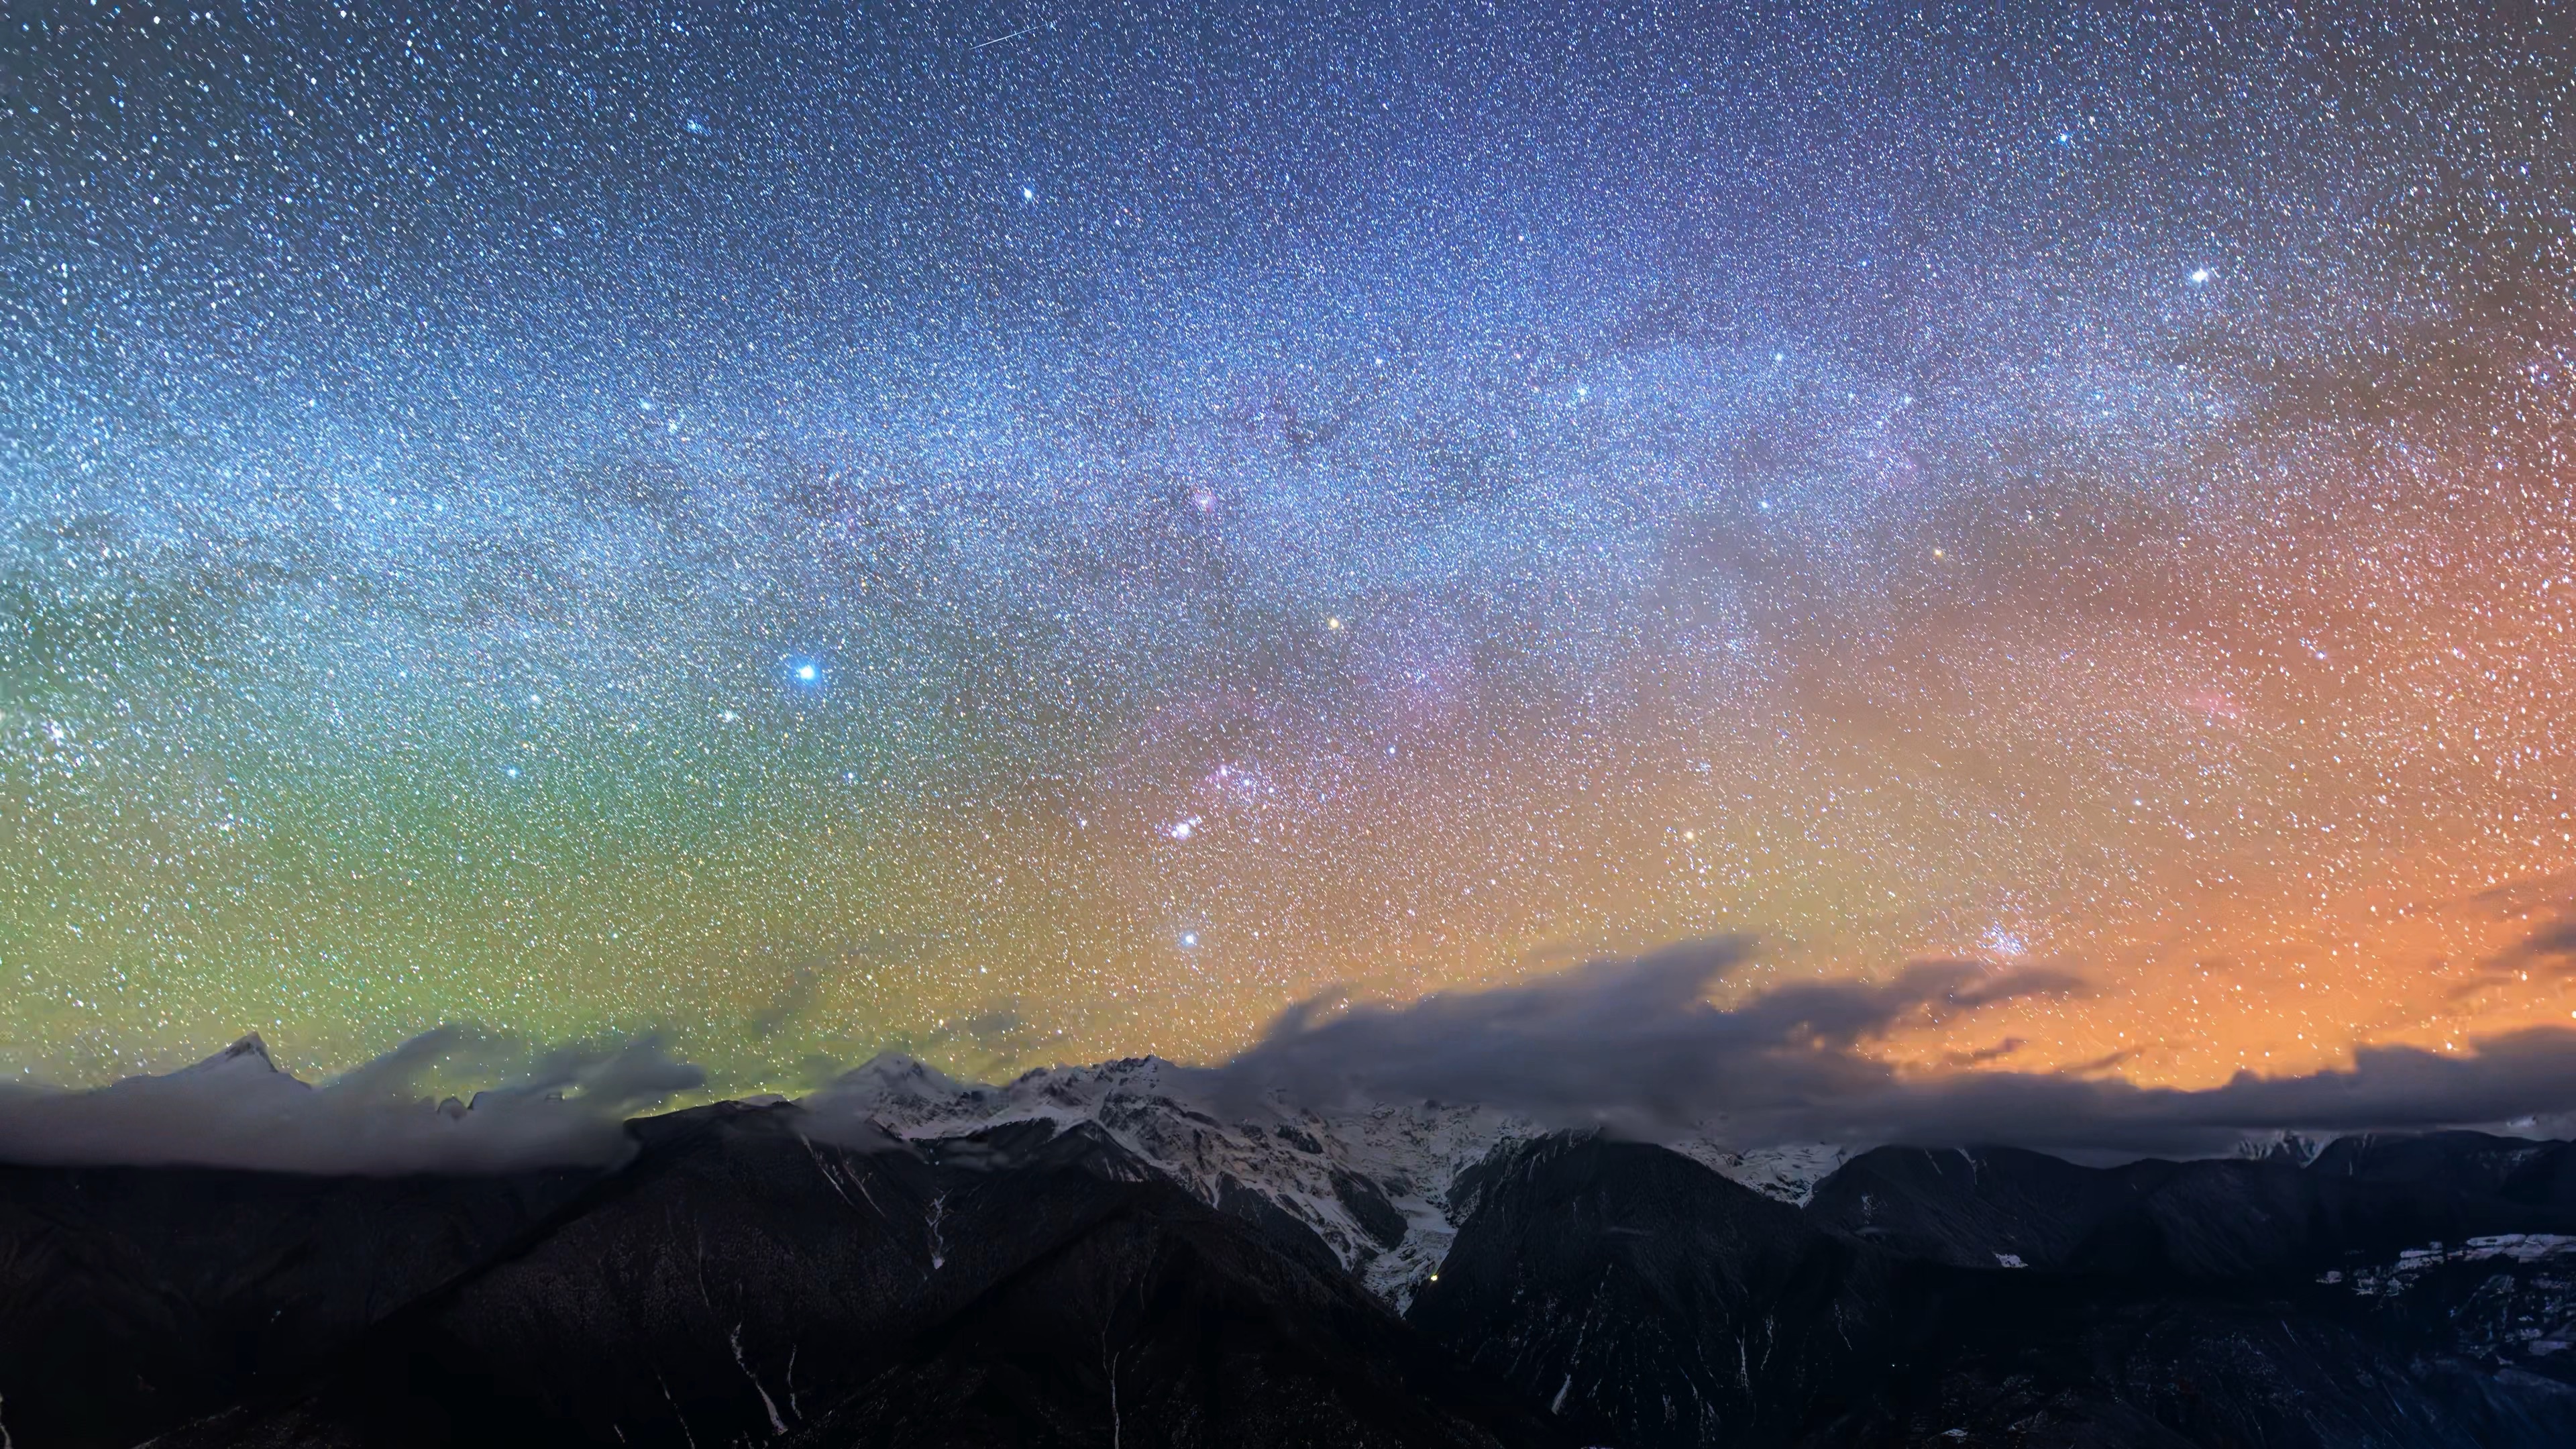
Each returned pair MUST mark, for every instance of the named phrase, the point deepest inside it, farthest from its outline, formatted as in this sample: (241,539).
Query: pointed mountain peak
(249,1046)
(897,1068)
(246,1060)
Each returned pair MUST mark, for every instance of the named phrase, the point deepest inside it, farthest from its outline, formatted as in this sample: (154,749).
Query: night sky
(1034,533)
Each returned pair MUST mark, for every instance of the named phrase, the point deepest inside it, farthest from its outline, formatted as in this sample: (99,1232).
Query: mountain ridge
(895,1254)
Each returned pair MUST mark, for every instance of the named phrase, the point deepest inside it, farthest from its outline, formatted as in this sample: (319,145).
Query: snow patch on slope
(1786,1174)
(1372,1185)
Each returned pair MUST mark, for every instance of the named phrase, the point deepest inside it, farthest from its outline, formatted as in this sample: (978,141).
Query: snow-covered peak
(1787,1173)
(1371,1185)
(897,1091)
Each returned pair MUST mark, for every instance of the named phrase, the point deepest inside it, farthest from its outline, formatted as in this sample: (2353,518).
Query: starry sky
(1041,532)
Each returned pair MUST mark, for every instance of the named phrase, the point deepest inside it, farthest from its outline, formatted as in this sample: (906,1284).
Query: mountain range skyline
(1769,1092)
(1257,724)
(1090,1255)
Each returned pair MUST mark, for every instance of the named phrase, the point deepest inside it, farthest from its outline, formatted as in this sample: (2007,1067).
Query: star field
(1029,534)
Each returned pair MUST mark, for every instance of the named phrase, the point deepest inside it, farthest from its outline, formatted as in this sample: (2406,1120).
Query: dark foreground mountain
(1111,1265)
(743,1281)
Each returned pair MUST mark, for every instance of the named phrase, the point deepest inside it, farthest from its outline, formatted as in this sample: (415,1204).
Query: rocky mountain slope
(1126,1255)
(1372,1185)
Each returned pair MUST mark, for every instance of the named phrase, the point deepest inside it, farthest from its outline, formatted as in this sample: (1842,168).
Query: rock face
(2391,1291)
(1101,1257)
(1649,1300)
(742,1280)
(135,1298)
(2234,1221)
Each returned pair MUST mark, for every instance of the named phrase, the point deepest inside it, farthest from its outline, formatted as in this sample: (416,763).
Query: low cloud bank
(564,1107)
(1634,1046)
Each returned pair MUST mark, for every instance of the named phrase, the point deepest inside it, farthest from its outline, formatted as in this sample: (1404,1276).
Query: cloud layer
(1631,1045)
(562,1107)
(1635,1046)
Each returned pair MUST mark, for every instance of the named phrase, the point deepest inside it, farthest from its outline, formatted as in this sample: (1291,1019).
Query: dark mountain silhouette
(1638,1292)
(743,1280)
(758,1273)
(135,1298)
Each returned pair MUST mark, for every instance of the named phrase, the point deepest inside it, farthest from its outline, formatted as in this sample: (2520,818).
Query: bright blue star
(803,674)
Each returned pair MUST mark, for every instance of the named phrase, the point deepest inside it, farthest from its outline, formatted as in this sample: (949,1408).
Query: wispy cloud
(1632,1045)
(1636,1046)
(561,1106)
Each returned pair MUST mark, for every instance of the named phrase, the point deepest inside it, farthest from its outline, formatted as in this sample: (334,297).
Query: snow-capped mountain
(1372,1185)
(1134,1253)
